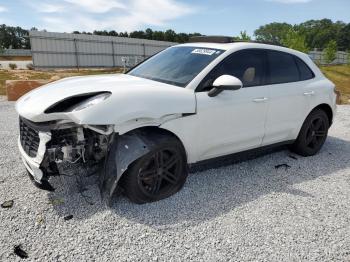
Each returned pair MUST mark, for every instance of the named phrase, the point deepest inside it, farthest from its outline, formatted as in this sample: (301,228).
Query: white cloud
(48,8)
(158,13)
(3,9)
(89,15)
(97,6)
(290,1)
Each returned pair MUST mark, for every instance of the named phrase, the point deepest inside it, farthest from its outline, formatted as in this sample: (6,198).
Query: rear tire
(157,175)
(313,134)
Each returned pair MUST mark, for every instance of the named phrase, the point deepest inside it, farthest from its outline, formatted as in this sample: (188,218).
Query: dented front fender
(122,151)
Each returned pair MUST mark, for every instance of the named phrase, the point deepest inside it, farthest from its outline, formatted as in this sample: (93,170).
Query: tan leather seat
(249,75)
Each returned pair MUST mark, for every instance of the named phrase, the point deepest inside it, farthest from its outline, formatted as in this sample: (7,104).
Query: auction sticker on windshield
(203,51)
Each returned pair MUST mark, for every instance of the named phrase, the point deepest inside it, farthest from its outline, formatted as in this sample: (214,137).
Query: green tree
(182,38)
(348,57)
(295,40)
(124,34)
(330,52)
(344,38)
(158,35)
(273,32)
(14,37)
(149,33)
(242,37)
(320,32)
(137,34)
(169,35)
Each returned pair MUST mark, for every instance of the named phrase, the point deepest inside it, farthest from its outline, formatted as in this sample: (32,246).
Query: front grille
(29,138)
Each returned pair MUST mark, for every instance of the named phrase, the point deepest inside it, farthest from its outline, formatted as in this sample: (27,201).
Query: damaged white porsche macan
(187,104)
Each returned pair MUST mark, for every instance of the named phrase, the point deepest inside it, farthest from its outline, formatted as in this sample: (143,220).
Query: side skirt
(238,157)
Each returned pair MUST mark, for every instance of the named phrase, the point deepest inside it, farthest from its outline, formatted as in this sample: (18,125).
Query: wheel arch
(124,149)
(327,109)
(156,131)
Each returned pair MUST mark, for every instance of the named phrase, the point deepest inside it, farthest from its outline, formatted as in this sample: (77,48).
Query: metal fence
(61,50)
(319,57)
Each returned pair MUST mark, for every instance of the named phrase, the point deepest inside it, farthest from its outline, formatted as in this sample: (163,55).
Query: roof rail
(225,40)
(211,39)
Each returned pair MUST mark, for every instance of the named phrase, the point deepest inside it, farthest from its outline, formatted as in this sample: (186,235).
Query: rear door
(288,92)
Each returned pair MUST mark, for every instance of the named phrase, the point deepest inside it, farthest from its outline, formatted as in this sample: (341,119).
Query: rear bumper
(32,164)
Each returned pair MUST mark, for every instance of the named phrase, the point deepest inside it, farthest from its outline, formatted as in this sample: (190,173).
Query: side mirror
(225,82)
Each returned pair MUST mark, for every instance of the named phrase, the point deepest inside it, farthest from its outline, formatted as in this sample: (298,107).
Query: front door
(233,121)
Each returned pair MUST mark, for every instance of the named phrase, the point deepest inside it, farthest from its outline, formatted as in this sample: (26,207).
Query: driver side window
(246,65)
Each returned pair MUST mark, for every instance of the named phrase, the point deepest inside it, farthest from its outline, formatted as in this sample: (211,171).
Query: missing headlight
(78,101)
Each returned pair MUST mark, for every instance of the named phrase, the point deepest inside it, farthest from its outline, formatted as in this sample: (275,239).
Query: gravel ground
(242,212)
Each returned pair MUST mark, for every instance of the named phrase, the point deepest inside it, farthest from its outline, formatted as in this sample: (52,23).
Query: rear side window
(282,68)
(304,70)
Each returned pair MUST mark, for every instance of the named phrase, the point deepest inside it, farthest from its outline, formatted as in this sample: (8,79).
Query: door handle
(260,99)
(311,93)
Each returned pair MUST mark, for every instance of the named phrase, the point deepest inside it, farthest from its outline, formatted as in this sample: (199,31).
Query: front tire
(157,175)
(313,134)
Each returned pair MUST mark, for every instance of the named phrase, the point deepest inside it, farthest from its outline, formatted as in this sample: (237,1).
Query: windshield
(176,65)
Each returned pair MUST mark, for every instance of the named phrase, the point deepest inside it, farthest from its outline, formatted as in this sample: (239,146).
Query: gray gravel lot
(247,211)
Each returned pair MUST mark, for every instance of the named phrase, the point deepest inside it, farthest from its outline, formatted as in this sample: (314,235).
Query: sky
(216,17)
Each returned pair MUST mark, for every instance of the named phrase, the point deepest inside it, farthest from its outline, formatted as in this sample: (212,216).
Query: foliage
(344,38)
(12,66)
(320,32)
(330,52)
(168,35)
(348,57)
(30,66)
(242,37)
(17,38)
(295,40)
(14,37)
(273,33)
(317,33)
(2,50)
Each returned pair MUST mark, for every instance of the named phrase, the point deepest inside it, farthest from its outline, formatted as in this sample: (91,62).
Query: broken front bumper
(32,164)
(45,147)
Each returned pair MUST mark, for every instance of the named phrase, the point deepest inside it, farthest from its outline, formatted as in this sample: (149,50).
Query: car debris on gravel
(20,252)
(286,166)
(69,217)
(7,204)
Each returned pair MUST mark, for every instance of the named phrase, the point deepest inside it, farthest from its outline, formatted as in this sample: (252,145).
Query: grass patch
(340,76)
(45,75)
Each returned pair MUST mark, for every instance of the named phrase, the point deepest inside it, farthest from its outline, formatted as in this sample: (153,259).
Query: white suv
(187,104)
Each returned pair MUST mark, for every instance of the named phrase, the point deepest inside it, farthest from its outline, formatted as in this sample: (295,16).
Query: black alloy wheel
(160,173)
(157,175)
(316,133)
(313,134)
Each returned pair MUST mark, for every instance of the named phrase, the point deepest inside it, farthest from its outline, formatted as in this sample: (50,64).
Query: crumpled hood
(132,97)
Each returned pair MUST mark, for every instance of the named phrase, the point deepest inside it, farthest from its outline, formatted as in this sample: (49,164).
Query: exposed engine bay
(58,147)
(74,145)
